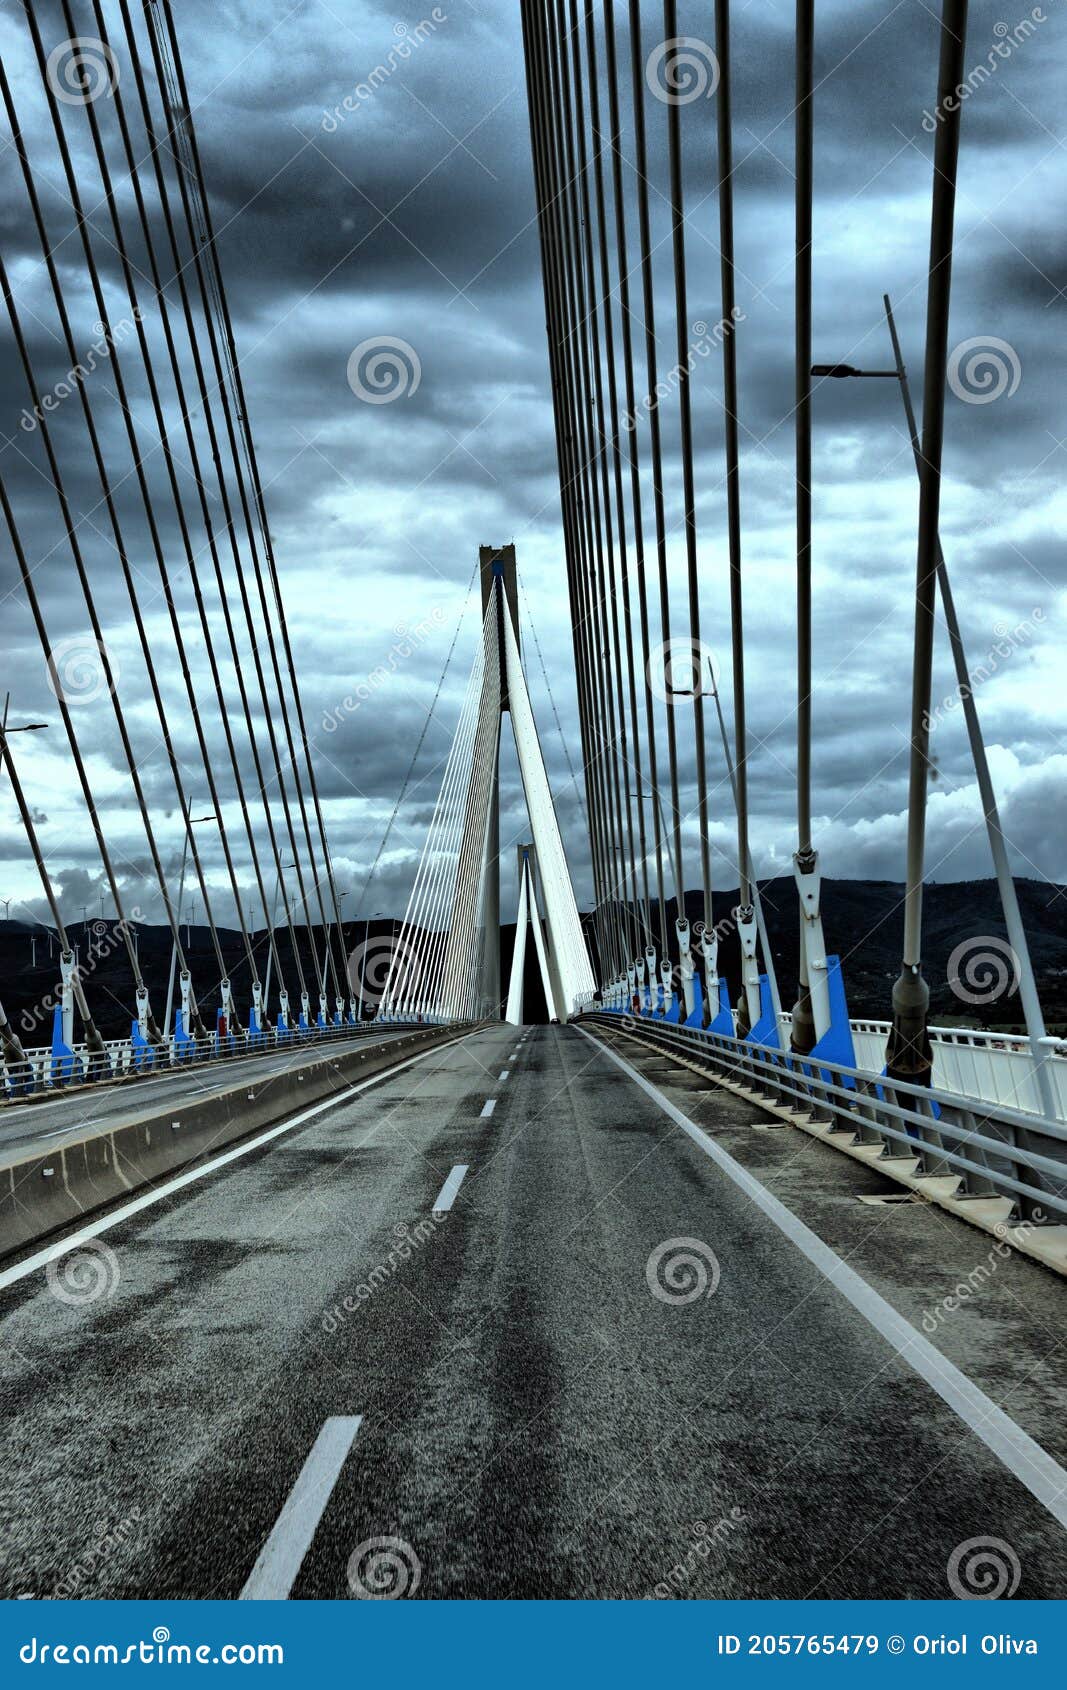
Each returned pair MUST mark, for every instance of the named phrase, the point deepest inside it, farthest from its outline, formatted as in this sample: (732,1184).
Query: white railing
(121,1060)
(996,1067)
(970,1149)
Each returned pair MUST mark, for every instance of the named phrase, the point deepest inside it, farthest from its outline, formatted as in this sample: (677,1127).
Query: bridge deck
(535,1422)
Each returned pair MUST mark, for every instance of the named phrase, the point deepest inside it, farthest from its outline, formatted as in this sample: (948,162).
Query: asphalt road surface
(589,1365)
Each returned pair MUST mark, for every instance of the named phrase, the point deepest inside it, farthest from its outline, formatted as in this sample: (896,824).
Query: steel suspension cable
(623,270)
(562,107)
(108,498)
(549,176)
(644,225)
(189,128)
(629,739)
(93,1039)
(110,680)
(208,296)
(724,129)
(677,199)
(179,386)
(205,405)
(146,498)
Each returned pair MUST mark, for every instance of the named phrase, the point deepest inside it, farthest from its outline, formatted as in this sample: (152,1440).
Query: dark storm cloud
(411,216)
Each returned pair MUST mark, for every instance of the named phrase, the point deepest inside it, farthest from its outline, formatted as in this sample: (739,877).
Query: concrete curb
(44,1194)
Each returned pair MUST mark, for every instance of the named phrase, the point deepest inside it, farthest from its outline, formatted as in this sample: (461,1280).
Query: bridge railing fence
(978,1149)
(45,1071)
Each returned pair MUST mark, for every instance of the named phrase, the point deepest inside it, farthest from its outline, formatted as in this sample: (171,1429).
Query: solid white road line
(280,1559)
(503,1074)
(447,1194)
(487,1108)
(1043,1476)
(116,1216)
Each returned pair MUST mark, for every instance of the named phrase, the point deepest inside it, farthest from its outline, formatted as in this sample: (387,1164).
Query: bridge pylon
(446,964)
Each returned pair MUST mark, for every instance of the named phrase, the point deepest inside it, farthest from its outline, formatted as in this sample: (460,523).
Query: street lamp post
(191,821)
(270,947)
(363,959)
(1031,1003)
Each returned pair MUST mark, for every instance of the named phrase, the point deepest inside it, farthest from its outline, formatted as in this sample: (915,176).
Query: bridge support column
(811,1017)
(745,918)
(685,965)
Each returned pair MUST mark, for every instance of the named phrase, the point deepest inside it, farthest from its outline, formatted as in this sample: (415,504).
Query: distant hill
(863,923)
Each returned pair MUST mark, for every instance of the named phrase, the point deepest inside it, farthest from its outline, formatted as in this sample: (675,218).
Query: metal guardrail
(991,1149)
(44,1072)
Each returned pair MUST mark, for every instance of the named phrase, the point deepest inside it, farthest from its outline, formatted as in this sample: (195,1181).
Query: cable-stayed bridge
(412,1235)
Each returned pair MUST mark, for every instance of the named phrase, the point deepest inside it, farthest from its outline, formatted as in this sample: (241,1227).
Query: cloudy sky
(371,181)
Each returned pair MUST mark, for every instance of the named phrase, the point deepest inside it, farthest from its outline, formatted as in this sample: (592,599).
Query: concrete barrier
(45,1193)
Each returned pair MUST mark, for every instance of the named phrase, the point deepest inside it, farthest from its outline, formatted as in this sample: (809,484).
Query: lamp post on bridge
(273,920)
(1031,1003)
(363,960)
(191,821)
(10,1043)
